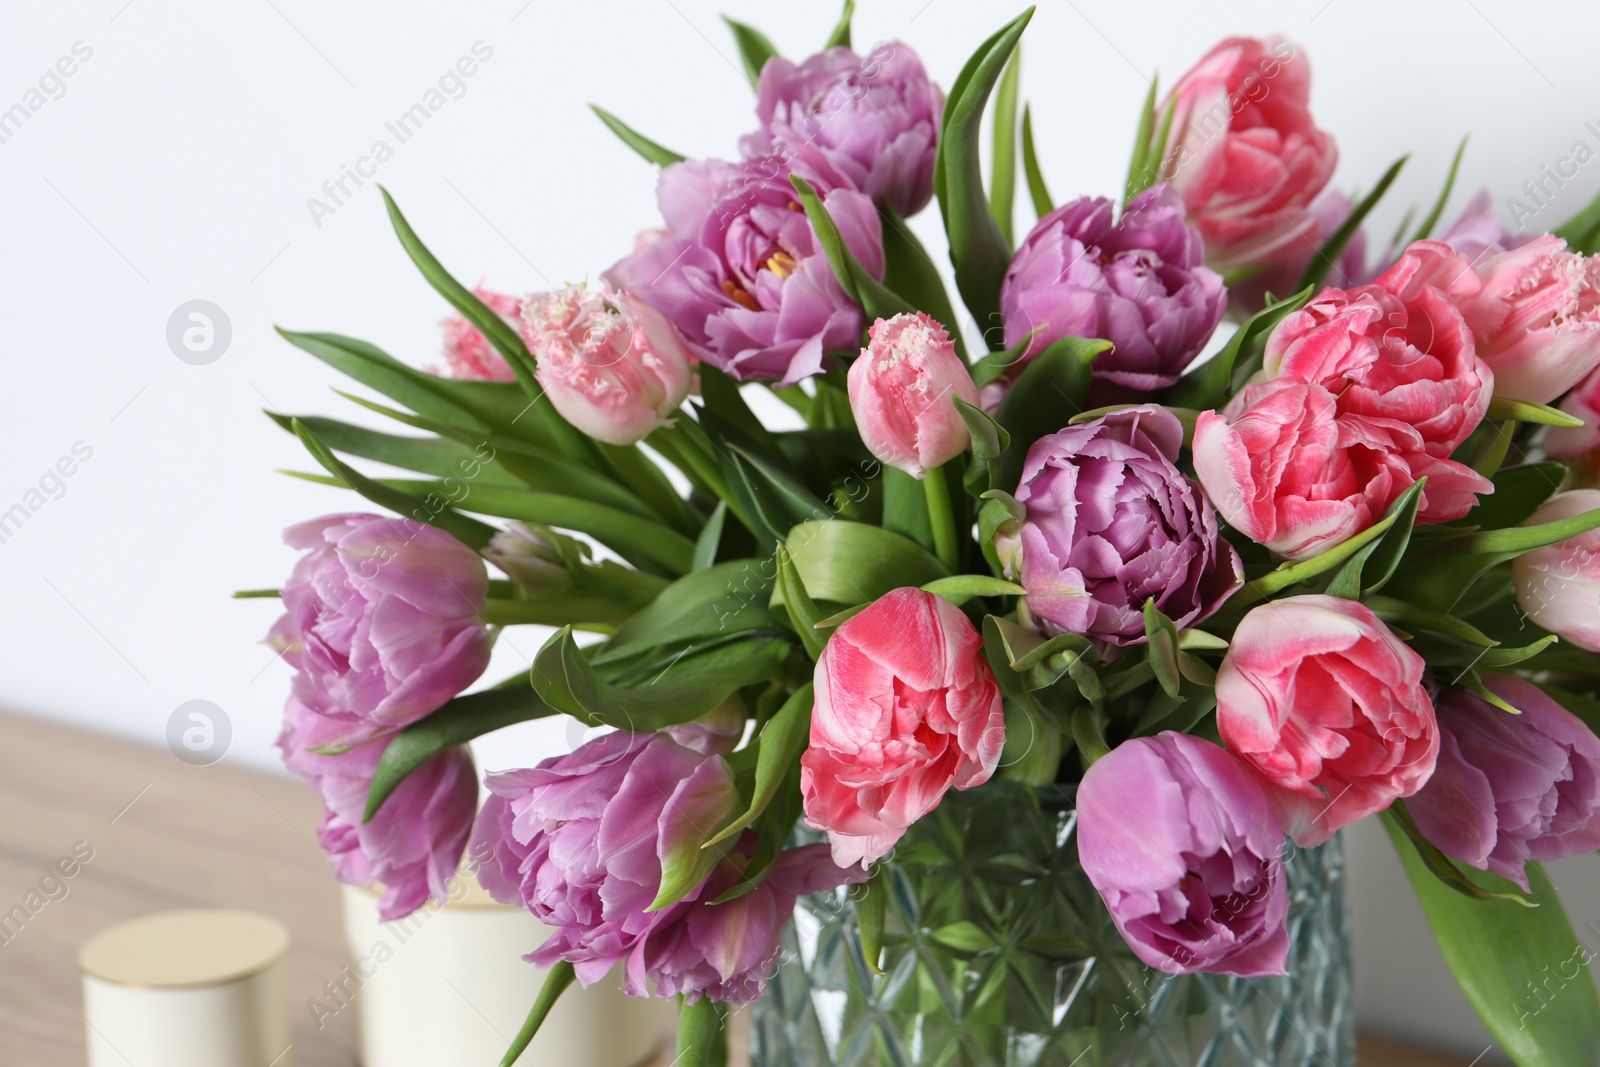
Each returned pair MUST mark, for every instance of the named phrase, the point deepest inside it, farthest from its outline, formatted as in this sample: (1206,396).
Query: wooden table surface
(167,835)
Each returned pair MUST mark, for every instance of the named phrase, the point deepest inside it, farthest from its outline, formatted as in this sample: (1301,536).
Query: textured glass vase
(999,953)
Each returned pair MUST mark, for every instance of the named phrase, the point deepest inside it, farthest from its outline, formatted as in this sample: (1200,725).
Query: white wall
(178,164)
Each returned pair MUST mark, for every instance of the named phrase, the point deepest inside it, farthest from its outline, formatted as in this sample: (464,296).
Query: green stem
(943,520)
(1088,730)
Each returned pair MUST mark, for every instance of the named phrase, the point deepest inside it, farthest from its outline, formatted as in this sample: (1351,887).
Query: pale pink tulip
(903,390)
(610,363)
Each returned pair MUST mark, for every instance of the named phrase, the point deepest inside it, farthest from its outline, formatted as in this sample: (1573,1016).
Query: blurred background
(228,154)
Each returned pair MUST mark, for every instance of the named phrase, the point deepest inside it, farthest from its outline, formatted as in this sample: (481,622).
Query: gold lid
(185,949)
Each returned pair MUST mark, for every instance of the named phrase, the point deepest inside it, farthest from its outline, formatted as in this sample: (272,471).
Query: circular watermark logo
(198,332)
(198,732)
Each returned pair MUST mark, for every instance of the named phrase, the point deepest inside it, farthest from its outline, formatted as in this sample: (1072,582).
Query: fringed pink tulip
(1537,318)
(903,390)
(906,709)
(467,353)
(610,363)
(1184,848)
(1326,705)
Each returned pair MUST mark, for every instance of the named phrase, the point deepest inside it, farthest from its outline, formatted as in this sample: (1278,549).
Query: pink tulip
(906,708)
(1245,154)
(1559,585)
(609,362)
(1582,403)
(903,390)
(1283,470)
(1326,705)
(1537,318)
(467,353)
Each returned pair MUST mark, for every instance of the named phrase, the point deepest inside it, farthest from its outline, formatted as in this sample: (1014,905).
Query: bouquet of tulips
(1342,563)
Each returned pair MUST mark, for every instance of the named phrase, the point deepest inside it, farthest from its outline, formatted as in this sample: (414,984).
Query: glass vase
(999,953)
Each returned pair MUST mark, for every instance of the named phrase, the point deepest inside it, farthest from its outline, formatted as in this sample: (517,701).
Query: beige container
(452,990)
(201,988)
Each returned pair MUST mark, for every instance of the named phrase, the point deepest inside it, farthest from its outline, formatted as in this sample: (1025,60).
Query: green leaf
(377,370)
(1382,555)
(1512,542)
(999,508)
(754,48)
(1161,636)
(840,37)
(1206,384)
(1294,573)
(1582,231)
(1333,247)
(872,912)
(427,455)
(856,281)
(960,588)
(457,722)
(470,532)
(989,442)
(699,805)
(1037,191)
(702,1034)
(1500,953)
(505,340)
(634,538)
(778,748)
(555,983)
(1003,162)
(775,498)
(725,598)
(1518,493)
(802,610)
(1432,218)
(1048,392)
(705,547)
(1441,866)
(978,249)
(1503,408)
(845,563)
(1138,161)
(641,144)
(688,688)
(905,507)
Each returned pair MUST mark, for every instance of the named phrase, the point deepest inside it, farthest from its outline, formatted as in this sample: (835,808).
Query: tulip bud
(1559,585)
(902,392)
(535,557)
(611,364)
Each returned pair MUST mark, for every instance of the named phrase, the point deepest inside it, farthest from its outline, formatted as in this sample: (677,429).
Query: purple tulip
(581,841)
(1137,282)
(381,620)
(1478,233)
(875,118)
(740,273)
(1111,523)
(413,845)
(1184,848)
(1510,788)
